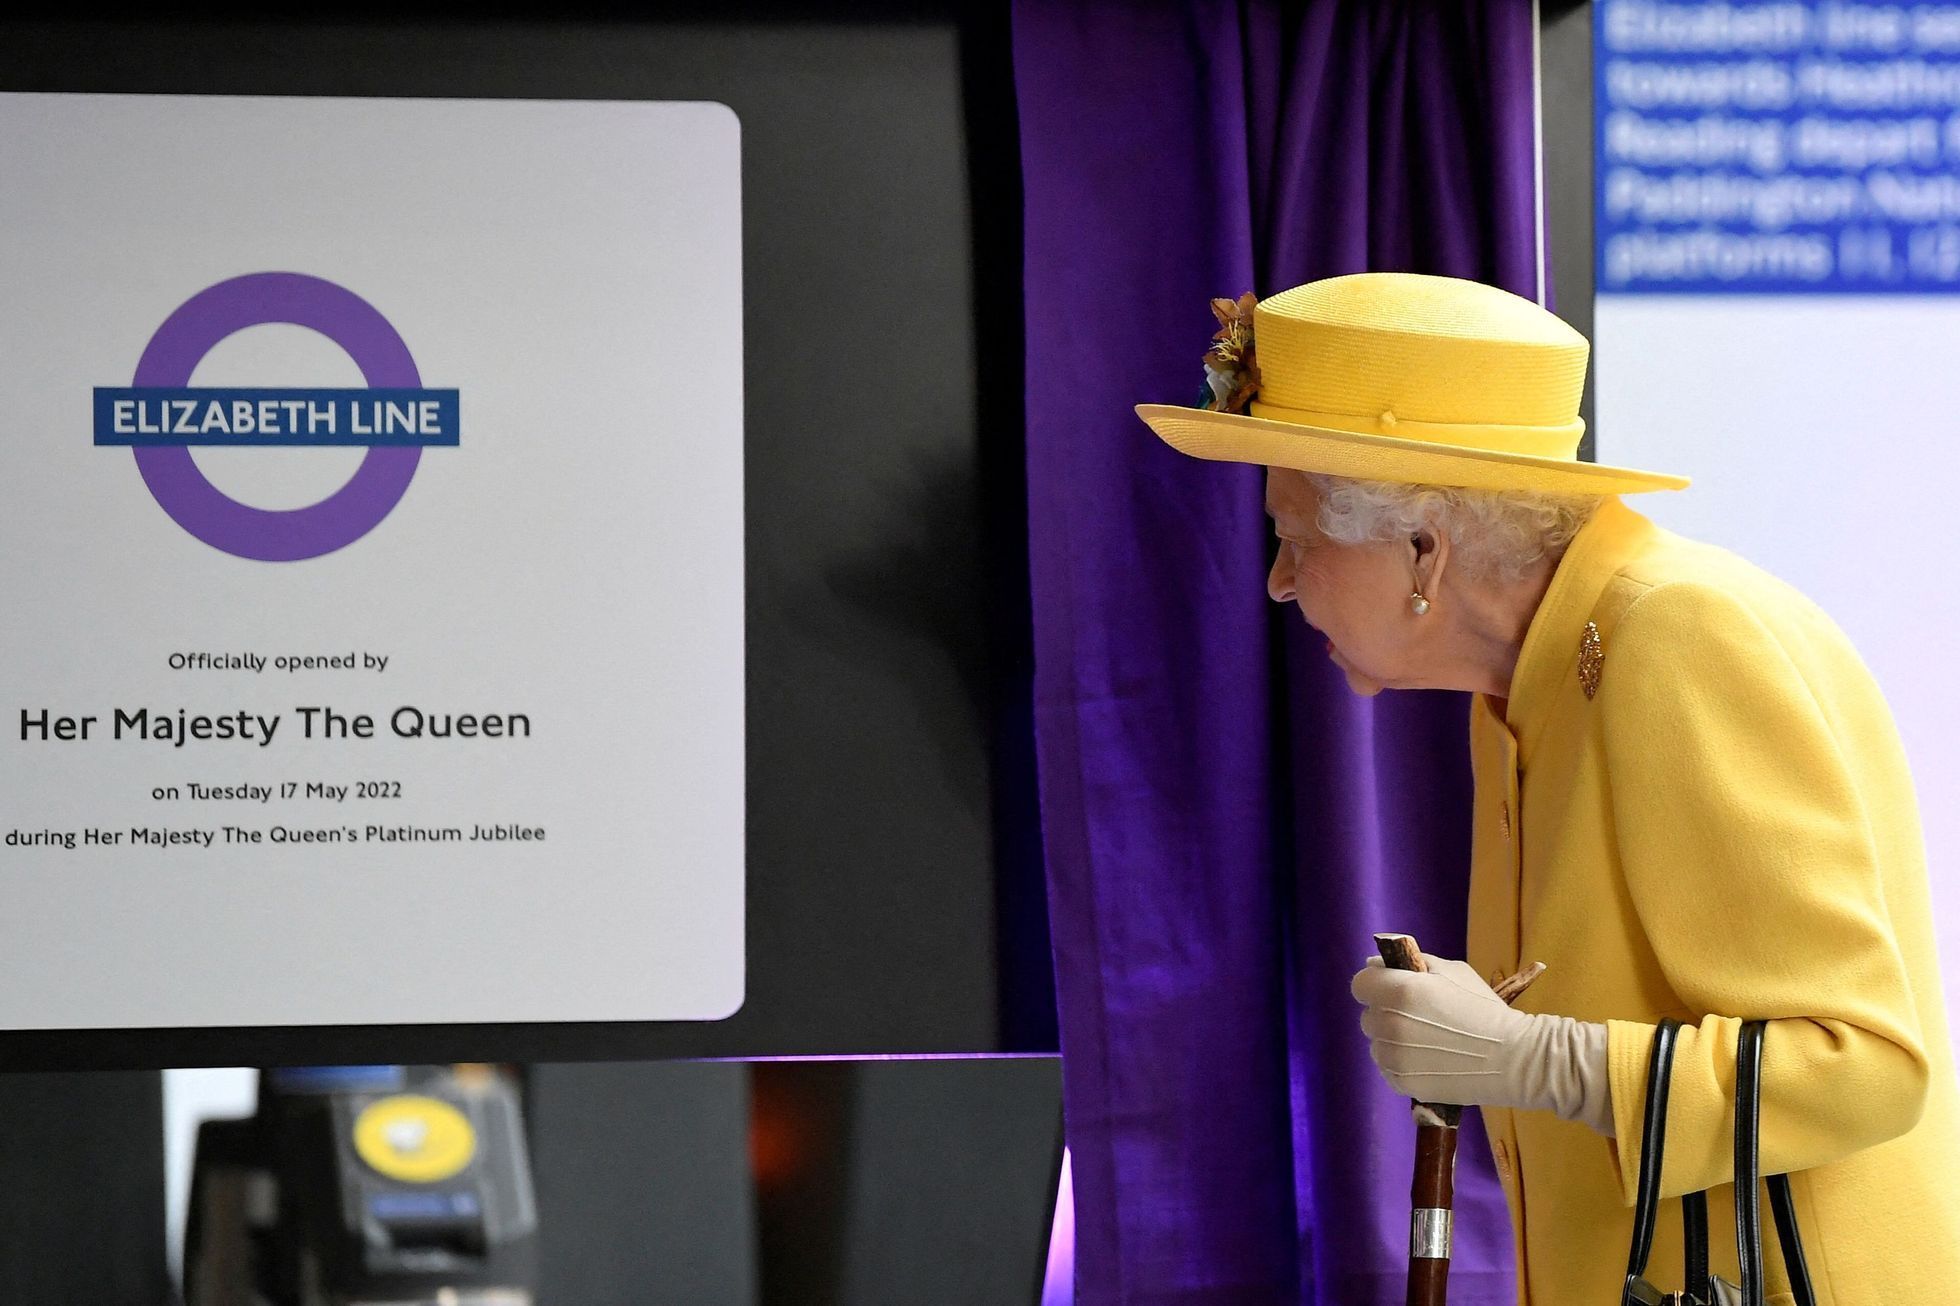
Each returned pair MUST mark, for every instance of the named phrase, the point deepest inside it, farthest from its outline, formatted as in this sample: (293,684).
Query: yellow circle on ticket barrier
(418,1140)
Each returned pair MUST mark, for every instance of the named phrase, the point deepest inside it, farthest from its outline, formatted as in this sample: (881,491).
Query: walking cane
(1434,1187)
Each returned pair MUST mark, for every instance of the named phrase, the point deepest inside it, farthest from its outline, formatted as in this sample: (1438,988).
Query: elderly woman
(1691,800)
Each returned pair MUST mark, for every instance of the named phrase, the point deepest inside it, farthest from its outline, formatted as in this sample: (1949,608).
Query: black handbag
(1704,1289)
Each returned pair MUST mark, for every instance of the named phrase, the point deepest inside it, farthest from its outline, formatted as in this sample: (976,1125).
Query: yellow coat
(1723,830)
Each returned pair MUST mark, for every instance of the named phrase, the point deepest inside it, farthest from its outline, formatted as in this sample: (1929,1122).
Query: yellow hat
(1402,376)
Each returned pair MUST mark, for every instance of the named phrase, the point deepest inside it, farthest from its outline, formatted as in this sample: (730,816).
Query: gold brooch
(1591,657)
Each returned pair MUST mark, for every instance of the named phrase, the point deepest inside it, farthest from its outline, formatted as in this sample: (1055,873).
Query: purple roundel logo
(162,415)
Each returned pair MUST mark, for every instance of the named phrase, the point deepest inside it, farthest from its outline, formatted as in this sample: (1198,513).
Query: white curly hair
(1500,534)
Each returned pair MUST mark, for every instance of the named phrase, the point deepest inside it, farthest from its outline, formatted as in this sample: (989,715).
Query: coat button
(1504,817)
(1502,1155)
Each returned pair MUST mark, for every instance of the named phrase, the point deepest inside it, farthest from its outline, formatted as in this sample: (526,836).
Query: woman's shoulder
(1695,638)
(1689,604)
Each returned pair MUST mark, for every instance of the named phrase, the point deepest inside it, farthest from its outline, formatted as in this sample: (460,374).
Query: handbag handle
(1647,1190)
(1784,1208)
(1748,1212)
(1694,1242)
(1694,1206)
(1748,1117)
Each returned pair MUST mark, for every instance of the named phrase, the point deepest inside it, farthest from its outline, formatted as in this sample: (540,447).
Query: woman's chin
(1357,682)
(1360,684)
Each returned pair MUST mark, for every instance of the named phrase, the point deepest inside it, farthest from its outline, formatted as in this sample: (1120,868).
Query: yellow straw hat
(1402,376)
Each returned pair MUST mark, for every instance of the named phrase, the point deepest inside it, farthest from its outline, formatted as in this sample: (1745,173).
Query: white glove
(1445,1036)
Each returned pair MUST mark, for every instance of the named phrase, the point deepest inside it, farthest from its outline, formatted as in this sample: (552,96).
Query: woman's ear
(1429,556)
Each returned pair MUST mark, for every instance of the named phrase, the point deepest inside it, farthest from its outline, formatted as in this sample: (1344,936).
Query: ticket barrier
(366,1186)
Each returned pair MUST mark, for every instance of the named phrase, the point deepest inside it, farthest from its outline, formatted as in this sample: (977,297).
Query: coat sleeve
(1750,862)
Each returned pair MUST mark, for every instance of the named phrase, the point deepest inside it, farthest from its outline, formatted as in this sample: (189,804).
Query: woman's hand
(1445,1036)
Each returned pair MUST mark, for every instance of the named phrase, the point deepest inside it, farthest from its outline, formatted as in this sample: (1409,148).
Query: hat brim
(1240,438)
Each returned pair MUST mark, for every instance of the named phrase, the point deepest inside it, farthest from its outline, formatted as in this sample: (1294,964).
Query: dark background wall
(1565,61)
(81,1190)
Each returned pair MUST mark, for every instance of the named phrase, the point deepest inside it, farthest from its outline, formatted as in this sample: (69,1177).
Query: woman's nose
(1279,581)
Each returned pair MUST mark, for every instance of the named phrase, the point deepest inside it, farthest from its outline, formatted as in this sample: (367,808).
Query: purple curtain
(1225,825)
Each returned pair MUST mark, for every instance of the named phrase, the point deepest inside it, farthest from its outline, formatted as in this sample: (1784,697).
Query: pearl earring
(1418,604)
